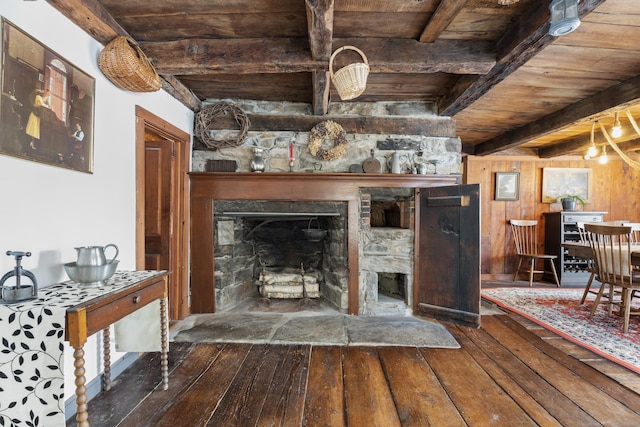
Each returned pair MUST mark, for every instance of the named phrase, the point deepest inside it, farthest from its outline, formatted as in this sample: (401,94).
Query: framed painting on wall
(507,186)
(46,106)
(562,182)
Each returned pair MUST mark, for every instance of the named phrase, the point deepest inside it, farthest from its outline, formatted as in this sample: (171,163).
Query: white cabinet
(561,227)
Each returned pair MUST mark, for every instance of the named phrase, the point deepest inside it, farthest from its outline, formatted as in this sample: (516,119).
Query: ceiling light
(564,17)
(616,130)
(603,157)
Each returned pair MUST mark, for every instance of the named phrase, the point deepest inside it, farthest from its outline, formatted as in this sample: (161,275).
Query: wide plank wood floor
(505,374)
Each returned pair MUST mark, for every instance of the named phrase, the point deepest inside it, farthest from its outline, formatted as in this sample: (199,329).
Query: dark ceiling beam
(526,37)
(443,16)
(292,55)
(320,28)
(620,96)
(93,18)
(436,126)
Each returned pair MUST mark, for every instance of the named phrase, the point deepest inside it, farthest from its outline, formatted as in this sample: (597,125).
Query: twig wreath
(332,130)
(204,127)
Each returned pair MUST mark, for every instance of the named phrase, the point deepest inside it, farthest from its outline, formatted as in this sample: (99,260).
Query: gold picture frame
(561,182)
(46,104)
(507,186)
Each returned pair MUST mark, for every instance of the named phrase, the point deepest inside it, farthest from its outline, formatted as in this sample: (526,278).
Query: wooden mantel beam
(620,96)
(93,18)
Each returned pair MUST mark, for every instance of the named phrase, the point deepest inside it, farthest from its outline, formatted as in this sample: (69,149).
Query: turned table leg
(165,344)
(106,351)
(82,416)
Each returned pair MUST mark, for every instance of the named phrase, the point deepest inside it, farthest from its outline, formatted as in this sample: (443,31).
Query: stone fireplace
(242,221)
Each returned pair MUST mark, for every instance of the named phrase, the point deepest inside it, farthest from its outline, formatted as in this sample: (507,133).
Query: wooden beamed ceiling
(479,61)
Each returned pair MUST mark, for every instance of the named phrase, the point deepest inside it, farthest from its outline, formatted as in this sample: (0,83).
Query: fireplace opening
(392,285)
(272,249)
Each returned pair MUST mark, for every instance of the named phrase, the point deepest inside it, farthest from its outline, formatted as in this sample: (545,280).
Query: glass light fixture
(616,130)
(564,17)
(603,159)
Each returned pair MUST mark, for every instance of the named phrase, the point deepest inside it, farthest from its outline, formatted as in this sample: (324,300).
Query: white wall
(49,210)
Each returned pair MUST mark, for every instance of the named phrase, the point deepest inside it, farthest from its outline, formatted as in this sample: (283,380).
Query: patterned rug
(559,310)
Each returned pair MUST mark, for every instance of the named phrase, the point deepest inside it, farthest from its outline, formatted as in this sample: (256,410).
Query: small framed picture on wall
(507,186)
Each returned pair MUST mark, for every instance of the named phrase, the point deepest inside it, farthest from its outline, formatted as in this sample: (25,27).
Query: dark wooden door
(448,257)
(157,222)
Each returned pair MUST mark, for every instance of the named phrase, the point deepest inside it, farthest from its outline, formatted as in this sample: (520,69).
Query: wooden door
(448,253)
(157,211)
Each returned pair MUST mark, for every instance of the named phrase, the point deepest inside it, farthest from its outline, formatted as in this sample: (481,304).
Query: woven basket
(350,81)
(126,65)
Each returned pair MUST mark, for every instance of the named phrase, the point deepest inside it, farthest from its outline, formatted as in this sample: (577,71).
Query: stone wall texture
(441,155)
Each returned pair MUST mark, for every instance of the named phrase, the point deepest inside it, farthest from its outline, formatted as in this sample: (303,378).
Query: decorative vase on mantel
(257,163)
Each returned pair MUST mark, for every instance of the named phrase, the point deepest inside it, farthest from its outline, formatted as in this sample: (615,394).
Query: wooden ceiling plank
(92,17)
(522,41)
(619,96)
(445,13)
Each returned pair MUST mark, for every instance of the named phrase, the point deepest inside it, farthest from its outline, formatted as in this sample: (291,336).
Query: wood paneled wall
(616,190)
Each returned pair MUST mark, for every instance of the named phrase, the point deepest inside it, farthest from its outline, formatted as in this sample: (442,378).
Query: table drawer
(99,318)
(582,218)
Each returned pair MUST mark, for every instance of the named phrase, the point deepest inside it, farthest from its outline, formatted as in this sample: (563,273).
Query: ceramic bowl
(91,275)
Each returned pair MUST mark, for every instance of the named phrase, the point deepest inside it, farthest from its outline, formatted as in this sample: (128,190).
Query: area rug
(559,310)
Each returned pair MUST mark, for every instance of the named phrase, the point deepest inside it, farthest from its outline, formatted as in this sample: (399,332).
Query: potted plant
(569,201)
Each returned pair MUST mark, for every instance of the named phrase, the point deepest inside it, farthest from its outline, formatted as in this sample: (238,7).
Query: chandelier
(592,151)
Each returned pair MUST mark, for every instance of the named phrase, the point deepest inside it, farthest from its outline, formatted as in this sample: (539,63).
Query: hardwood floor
(507,373)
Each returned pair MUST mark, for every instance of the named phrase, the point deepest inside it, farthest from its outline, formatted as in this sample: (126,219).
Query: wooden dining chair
(590,265)
(635,232)
(525,237)
(611,246)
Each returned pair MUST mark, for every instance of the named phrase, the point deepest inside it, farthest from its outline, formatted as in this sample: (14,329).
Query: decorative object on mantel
(371,165)
(18,292)
(257,163)
(204,120)
(126,65)
(350,81)
(330,129)
(221,165)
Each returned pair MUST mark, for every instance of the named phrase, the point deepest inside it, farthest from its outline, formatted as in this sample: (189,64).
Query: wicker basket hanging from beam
(126,65)
(350,81)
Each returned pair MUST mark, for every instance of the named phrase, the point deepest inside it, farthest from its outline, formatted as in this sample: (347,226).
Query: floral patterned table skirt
(32,350)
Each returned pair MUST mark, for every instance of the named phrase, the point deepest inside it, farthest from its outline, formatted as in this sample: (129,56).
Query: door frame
(179,246)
